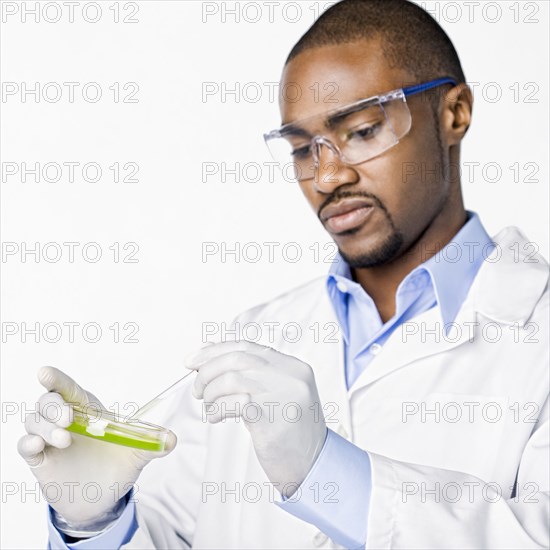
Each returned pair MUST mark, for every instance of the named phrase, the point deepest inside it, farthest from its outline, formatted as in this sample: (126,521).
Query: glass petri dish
(106,426)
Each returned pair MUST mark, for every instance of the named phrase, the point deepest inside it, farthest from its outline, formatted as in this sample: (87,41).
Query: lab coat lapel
(406,345)
(511,282)
(416,339)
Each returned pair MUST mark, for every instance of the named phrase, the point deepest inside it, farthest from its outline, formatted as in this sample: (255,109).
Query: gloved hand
(83,479)
(276,397)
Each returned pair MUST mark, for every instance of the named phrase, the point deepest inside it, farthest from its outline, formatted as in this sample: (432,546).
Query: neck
(381,282)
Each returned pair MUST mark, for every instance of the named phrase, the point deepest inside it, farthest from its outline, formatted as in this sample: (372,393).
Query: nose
(330,171)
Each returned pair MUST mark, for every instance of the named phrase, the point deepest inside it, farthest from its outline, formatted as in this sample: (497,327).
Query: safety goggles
(356,133)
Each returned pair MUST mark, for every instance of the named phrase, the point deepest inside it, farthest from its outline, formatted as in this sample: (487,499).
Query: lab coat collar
(506,289)
(511,280)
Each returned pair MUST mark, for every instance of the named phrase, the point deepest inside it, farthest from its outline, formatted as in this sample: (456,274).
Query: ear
(456,114)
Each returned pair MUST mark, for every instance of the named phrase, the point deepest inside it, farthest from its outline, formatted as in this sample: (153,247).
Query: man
(425,423)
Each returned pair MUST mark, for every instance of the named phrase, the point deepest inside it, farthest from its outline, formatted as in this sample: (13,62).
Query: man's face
(375,210)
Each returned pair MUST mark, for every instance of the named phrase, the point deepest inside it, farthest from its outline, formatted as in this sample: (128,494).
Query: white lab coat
(499,387)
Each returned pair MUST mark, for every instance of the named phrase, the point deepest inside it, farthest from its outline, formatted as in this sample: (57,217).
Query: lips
(346,214)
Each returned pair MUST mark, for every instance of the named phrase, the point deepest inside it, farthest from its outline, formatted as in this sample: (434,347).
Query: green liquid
(127,440)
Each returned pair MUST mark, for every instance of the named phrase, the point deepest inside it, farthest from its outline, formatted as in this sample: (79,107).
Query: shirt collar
(451,271)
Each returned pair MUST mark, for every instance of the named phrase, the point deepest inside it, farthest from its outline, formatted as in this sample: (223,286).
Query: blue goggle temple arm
(410,90)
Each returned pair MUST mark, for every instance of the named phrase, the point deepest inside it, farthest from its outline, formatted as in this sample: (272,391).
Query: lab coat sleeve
(416,506)
(154,532)
(117,534)
(143,529)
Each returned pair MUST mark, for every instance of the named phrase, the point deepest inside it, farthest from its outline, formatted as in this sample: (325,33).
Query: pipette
(161,396)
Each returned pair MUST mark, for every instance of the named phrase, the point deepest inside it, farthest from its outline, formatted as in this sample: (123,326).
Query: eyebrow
(337,118)
(332,120)
(292,130)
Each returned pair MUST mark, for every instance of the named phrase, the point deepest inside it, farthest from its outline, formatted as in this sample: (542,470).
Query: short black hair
(411,37)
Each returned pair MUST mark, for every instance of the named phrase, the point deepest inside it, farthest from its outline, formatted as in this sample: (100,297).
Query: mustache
(340,195)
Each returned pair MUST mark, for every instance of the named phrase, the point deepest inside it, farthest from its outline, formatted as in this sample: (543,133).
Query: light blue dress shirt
(443,280)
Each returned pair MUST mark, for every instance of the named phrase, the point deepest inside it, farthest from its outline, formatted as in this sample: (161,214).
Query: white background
(173,49)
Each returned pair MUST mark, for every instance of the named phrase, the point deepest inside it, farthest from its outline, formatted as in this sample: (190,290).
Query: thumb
(190,359)
(169,445)
(57,381)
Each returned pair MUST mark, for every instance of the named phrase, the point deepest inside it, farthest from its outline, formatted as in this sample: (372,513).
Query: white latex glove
(64,463)
(247,380)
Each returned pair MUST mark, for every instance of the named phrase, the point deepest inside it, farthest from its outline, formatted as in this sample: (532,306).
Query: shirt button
(319,539)
(341,286)
(375,349)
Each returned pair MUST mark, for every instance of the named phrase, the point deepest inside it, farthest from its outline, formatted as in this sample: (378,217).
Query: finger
(36,424)
(214,350)
(230,383)
(31,448)
(231,406)
(189,359)
(52,407)
(232,361)
(55,380)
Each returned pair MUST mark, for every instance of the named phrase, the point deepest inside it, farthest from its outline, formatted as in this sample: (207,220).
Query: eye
(301,152)
(364,132)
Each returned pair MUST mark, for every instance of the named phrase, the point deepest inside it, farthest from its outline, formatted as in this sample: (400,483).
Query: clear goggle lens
(356,133)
